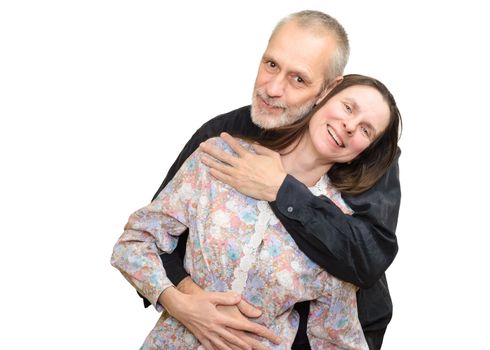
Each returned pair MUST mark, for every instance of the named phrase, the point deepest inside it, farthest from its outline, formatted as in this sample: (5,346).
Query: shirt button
(290,209)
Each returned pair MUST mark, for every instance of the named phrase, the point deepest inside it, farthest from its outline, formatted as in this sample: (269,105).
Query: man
(304,60)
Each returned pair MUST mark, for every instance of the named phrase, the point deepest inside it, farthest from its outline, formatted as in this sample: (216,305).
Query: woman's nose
(349,127)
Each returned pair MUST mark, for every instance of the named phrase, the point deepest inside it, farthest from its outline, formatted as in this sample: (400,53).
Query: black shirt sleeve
(357,248)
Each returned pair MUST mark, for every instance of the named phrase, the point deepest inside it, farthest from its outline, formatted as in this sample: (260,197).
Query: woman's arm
(136,253)
(212,317)
(333,320)
(153,230)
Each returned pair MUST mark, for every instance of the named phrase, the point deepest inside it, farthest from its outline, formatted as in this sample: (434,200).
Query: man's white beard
(288,116)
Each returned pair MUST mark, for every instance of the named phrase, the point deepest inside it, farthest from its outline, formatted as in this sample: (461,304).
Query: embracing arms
(356,248)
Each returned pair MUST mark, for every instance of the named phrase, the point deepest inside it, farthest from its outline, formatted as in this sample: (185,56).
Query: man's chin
(267,121)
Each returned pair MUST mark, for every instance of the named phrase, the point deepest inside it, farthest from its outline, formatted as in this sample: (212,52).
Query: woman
(236,243)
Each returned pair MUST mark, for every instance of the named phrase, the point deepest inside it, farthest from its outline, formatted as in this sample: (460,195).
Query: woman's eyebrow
(353,103)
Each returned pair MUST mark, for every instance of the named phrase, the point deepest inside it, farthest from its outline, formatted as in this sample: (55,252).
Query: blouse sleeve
(154,230)
(333,321)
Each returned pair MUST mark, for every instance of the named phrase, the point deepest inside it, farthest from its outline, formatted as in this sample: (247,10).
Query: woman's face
(348,123)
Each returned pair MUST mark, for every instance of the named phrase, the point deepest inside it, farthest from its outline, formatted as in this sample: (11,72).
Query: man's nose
(275,87)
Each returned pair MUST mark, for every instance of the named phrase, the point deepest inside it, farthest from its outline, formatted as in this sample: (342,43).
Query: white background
(98,97)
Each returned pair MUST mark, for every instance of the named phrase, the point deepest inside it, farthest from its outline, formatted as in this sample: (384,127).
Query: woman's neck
(304,163)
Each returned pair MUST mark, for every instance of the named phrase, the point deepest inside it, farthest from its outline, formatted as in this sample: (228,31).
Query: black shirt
(356,248)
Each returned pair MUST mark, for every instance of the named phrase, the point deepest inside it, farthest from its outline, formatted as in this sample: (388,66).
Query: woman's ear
(329,88)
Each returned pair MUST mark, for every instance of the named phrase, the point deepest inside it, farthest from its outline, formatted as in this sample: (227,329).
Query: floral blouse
(235,243)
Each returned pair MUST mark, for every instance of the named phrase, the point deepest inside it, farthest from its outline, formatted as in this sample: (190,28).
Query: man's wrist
(187,286)
(167,295)
(271,194)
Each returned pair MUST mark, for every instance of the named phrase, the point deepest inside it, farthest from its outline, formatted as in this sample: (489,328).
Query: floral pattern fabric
(235,243)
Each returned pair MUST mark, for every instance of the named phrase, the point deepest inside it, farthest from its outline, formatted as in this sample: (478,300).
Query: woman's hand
(216,319)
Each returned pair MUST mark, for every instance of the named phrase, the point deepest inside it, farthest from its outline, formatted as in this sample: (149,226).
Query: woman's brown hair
(366,169)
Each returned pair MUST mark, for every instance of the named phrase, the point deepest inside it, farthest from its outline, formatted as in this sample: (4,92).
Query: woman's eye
(348,108)
(299,80)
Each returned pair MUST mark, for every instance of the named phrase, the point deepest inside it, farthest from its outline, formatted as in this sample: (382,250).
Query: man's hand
(221,327)
(238,311)
(255,175)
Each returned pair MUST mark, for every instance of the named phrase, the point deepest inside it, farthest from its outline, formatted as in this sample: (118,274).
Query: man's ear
(329,88)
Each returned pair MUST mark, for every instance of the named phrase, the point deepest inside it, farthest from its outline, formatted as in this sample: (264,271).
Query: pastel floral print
(235,243)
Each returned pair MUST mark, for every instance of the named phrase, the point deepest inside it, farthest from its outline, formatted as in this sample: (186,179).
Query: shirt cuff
(159,307)
(292,198)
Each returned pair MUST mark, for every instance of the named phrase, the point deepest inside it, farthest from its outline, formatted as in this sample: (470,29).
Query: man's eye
(299,80)
(271,64)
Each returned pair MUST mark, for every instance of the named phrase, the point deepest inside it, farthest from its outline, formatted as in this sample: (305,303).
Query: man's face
(291,75)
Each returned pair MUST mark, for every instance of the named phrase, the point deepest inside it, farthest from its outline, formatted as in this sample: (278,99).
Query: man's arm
(357,248)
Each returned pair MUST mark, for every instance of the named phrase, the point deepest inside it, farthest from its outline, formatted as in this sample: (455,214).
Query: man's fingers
(224,298)
(248,310)
(234,144)
(254,343)
(216,153)
(264,332)
(207,344)
(230,338)
(219,344)
(268,334)
(248,326)
(214,164)
(234,347)
(227,179)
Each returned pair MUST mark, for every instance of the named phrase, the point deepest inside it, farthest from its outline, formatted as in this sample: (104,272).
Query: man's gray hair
(321,22)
